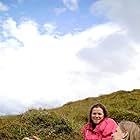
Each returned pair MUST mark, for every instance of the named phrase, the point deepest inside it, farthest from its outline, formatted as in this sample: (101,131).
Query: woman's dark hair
(96,106)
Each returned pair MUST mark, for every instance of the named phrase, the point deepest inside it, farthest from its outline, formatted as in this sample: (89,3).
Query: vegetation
(64,123)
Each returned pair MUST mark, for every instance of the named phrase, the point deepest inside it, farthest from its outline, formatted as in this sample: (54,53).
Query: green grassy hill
(64,123)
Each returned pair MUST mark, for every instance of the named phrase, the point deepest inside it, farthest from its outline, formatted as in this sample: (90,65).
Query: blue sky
(56,51)
(67,15)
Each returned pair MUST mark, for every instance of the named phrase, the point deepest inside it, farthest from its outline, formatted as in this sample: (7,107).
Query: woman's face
(118,134)
(97,115)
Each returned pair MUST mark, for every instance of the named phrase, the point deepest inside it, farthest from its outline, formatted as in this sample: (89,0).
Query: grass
(65,122)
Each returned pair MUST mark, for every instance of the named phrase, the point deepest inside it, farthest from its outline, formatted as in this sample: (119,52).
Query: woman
(127,131)
(100,126)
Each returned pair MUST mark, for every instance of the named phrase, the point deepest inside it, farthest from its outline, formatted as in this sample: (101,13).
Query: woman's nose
(96,115)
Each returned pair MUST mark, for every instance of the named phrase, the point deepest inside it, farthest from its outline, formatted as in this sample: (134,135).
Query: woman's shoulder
(110,120)
(109,124)
(87,126)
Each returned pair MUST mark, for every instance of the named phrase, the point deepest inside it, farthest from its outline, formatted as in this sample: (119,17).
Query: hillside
(64,123)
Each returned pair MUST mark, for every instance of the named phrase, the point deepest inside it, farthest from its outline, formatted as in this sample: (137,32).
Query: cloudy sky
(56,51)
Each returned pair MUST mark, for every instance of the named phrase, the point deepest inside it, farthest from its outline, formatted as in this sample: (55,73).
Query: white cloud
(11,106)
(50,28)
(114,57)
(125,13)
(39,69)
(3,7)
(38,66)
(71,4)
(12,42)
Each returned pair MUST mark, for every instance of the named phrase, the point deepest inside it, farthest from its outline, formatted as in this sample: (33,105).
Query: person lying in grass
(127,130)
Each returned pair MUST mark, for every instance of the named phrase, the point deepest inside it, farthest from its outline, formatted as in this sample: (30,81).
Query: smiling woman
(100,126)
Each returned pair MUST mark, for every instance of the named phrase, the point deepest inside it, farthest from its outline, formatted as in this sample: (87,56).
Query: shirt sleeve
(83,131)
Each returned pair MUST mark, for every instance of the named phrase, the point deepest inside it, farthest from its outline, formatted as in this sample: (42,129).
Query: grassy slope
(117,103)
(65,122)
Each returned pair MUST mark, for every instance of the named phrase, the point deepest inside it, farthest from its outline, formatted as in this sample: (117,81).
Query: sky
(57,51)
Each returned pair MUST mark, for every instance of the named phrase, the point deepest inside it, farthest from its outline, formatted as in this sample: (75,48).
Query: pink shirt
(103,130)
